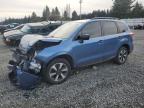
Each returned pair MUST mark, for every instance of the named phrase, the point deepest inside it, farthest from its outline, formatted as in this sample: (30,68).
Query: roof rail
(105,18)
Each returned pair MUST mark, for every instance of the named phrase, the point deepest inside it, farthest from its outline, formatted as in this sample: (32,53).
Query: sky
(20,8)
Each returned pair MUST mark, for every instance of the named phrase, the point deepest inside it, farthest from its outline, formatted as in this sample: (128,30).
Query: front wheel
(57,71)
(122,56)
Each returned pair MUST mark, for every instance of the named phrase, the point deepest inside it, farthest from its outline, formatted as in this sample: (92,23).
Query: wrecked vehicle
(72,45)
(13,37)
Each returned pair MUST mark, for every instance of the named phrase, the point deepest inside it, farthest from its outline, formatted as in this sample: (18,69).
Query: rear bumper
(23,80)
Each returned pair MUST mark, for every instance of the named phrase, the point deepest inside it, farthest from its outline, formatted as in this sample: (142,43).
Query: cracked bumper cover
(23,80)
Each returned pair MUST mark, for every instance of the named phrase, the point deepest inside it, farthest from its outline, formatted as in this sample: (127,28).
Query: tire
(122,56)
(57,71)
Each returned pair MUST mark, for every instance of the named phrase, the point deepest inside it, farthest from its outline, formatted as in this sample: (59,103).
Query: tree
(57,14)
(122,8)
(99,13)
(52,16)
(75,15)
(33,17)
(138,10)
(46,14)
(65,15)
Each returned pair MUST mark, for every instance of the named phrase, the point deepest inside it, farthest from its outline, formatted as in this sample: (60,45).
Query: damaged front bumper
(22,79)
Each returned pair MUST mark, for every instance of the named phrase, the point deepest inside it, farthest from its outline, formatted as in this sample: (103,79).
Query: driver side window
(93,29)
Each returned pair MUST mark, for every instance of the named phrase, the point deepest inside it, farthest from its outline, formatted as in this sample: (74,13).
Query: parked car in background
(2,28)
(42,28)
(12,25)
(72,45)
(15,28)
(139,26)
(135,23)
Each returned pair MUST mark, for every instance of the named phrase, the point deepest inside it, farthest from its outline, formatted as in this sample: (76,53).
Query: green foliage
(55,14)
(123,8)
(65,15)
(97,13)
(46,14)
(75,15)
(33,17)
(138,10)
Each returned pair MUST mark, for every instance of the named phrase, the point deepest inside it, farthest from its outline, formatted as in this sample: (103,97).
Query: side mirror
(84,37)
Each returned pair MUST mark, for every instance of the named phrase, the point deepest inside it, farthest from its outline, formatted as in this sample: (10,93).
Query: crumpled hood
(13,33)
(29,40)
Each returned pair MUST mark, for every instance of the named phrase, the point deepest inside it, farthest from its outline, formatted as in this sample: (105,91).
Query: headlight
(7,39)
(36,66)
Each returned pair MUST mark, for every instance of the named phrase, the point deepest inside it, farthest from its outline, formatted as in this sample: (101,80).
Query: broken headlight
(35,66)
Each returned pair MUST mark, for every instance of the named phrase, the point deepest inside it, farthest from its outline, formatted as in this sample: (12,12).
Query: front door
(89,51)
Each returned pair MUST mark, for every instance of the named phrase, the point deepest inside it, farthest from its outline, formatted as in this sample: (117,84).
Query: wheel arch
(127,46)
(65,56)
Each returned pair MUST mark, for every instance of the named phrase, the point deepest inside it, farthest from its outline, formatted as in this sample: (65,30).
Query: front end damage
(23,73)
(25,70)
(24,80)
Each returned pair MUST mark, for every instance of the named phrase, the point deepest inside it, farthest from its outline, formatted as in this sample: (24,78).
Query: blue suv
(74,45)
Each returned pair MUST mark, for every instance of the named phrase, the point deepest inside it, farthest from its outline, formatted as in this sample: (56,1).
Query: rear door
(111,39)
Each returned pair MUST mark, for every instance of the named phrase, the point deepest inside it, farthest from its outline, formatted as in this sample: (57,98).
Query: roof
(98,19)
(38,24)
(82,21)
(105,18)
(42,24)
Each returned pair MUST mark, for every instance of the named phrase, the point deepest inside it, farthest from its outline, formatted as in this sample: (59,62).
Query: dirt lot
(107,86)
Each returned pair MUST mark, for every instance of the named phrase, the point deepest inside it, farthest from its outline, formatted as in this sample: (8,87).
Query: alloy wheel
(123,55)
(58,72)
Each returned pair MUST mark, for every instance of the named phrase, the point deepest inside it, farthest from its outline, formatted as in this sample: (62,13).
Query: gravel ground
(105,86)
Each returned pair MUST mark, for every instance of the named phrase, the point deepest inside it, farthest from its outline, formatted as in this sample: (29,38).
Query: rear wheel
(121,56)
(57,71)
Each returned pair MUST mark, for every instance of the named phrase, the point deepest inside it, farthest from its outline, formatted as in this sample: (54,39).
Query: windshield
(26,29)
(65,30)
(18,27)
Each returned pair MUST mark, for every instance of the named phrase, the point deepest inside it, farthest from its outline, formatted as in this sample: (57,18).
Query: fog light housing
(35,65)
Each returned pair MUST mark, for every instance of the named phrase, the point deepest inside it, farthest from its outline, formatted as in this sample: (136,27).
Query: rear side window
(53,27)
(35,31)
(44,30)
(109,28)
(93,29)
(47,29)
(122,27)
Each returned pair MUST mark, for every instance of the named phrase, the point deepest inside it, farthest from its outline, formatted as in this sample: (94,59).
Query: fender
(125,41)
(46,55)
